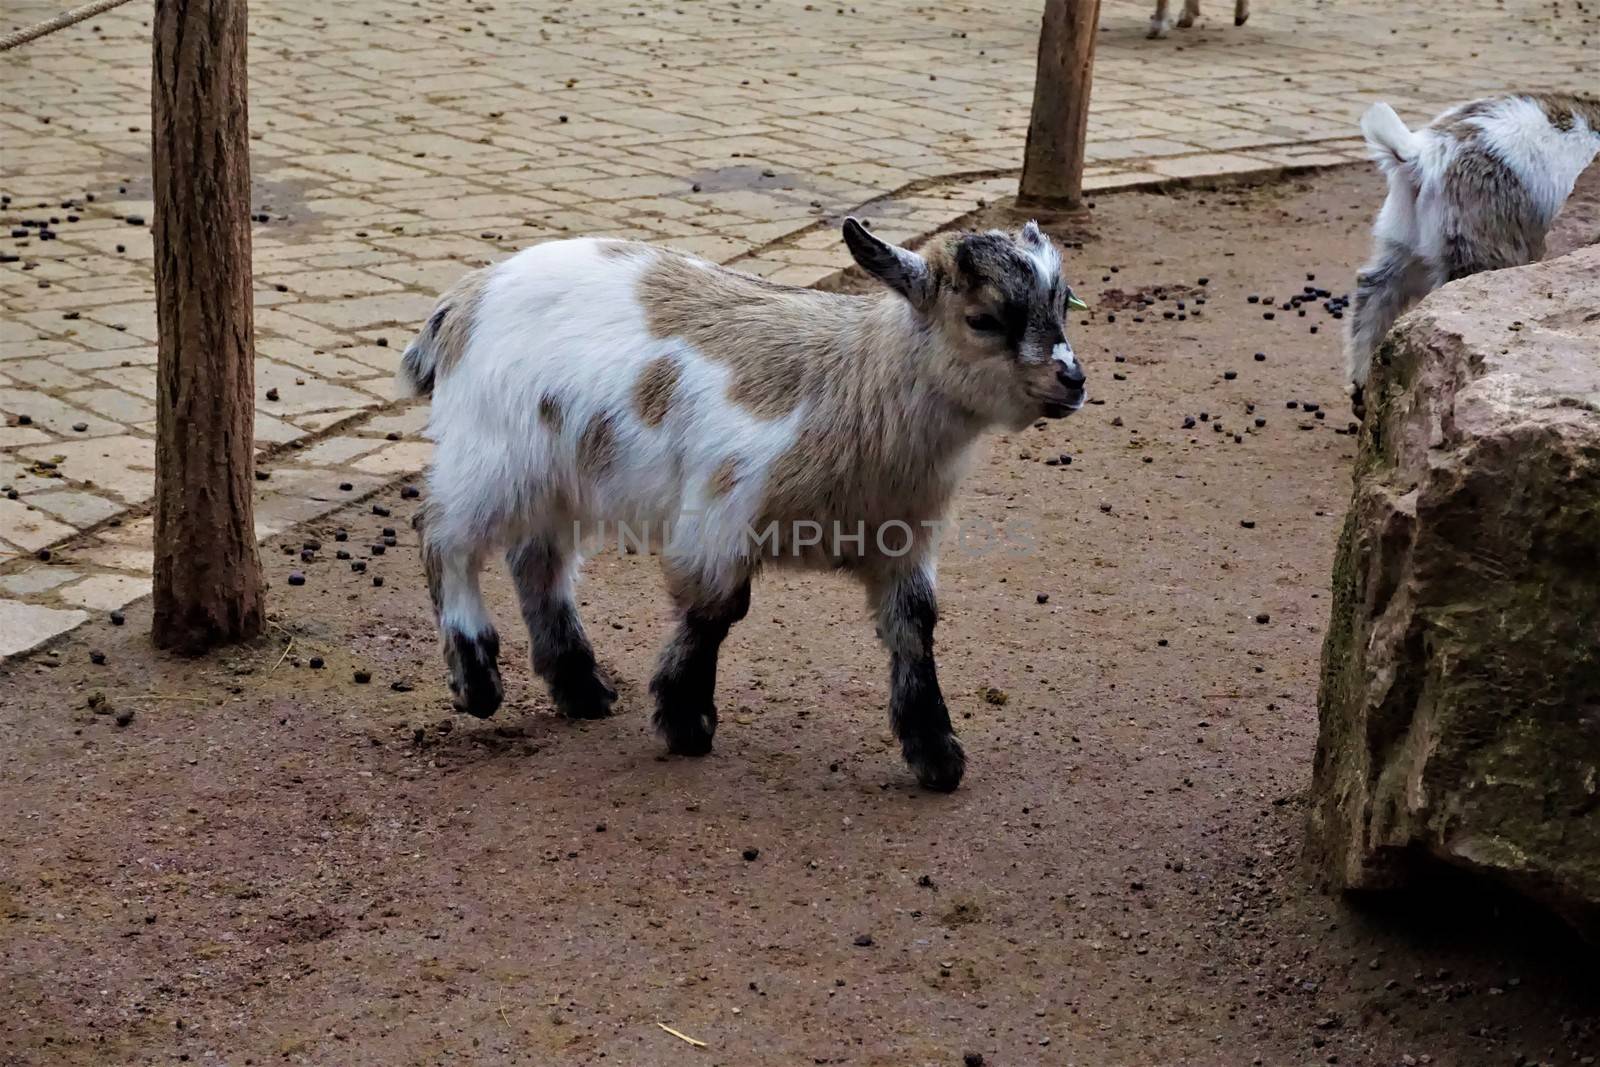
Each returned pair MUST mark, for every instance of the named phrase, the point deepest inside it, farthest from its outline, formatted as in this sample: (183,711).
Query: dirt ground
(273,863)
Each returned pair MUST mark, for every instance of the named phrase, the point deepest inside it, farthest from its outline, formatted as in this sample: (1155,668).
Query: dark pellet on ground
(1042,598)
(863,941)
(362,677)
(1269,314)
(117,618)
(1253,299)
(751,855)
(262,476)
(380,511)
(972,1059)
(377,581)
(345,487)
(409,492)
(359,566)
(341,535)
(1230,375)
(382,342)
(1188,422)
(1261,357)
(377,548)
(1248,524)
(97,657)
(315,663)
(296,578)
(124,717)
(388,531)
(1263,618)
(341,554)
(272,394)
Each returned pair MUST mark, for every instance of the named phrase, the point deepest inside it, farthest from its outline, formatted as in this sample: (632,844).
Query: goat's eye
(984,323)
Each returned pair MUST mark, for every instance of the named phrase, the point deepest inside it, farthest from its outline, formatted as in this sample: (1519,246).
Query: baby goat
(592,381)
(1475,190)
(1161,21)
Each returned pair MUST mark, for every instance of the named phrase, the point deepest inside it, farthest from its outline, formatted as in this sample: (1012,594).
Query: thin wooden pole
(1052,164)
(208,583)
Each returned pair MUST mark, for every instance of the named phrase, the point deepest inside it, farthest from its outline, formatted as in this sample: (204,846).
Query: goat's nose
(1070,375)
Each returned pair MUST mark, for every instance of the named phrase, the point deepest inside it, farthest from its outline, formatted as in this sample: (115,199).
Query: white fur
(561,319)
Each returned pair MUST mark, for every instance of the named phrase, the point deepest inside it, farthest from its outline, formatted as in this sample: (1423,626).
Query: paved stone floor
(394,145)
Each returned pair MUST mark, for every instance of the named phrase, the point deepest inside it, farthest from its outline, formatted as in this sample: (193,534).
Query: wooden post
(1052,164)
(208,584)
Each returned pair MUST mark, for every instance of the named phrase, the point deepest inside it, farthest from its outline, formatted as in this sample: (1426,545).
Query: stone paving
(396,145)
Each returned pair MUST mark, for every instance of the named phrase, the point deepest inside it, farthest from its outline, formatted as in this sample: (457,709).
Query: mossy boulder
(1460,698)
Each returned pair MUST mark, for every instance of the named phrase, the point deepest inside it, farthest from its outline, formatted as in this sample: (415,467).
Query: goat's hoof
(1241,20)
(475,687)
(585,697)
(1158,30)
(939,761)
(480,699)
(1185,22)
(687,734)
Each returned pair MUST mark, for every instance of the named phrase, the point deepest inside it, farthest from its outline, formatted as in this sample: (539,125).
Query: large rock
(1460,702)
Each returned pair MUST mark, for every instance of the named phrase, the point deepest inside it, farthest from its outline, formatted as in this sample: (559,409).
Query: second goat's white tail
(1392,144)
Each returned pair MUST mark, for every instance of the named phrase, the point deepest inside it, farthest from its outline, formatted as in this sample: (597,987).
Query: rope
(60,22)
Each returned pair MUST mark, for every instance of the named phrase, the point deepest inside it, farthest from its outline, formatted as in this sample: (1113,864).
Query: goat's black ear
(900,269)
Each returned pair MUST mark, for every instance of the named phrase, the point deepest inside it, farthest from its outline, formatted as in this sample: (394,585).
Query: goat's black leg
(686,678)
(907,612)
(471,646)
(561,652)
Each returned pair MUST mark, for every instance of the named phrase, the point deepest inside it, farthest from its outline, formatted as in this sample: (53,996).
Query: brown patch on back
(1562,109)
(777,340)
(597,445)
(455,329)
(724,478)
(550,413)
(1457,122)
(652,393)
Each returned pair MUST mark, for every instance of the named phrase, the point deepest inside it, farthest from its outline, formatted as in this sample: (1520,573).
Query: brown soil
(274,864)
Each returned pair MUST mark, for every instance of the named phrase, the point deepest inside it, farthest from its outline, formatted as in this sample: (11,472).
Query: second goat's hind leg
(471,645)
(1385,287)
(542,568)
(686,678)
(1241,12)
(1191,11)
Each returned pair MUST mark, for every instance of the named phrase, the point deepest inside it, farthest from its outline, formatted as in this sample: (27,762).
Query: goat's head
(997,305)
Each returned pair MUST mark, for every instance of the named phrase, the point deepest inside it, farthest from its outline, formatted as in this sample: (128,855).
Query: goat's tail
(420,363)
(1391,144)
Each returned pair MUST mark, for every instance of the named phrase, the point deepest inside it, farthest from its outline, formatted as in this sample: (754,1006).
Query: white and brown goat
(586,382)
(1474,190)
